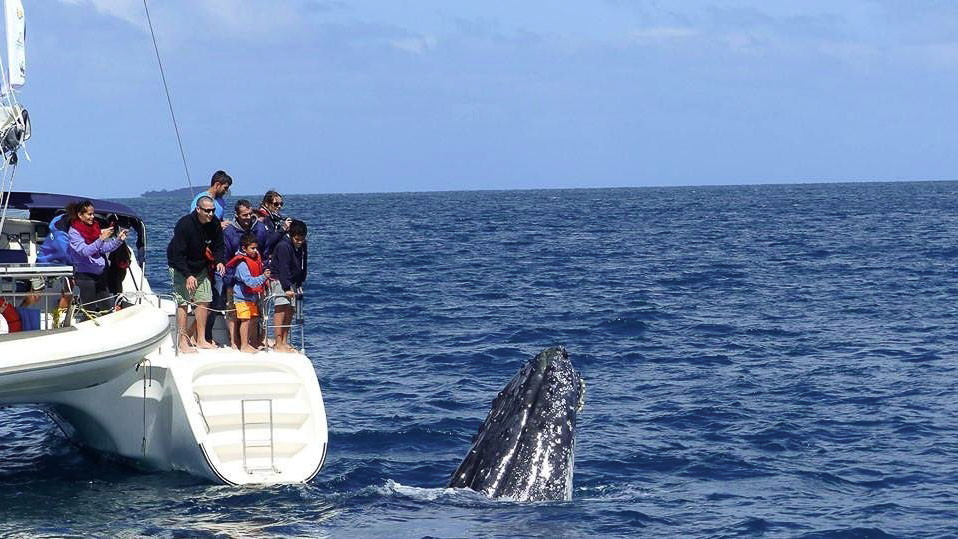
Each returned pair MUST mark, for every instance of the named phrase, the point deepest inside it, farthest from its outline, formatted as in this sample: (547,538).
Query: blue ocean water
(760,360)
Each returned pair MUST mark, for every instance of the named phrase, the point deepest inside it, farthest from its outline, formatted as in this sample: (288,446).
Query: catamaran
(114,381)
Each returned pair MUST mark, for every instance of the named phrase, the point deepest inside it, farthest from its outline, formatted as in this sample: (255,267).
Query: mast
(16,34)
(14,119)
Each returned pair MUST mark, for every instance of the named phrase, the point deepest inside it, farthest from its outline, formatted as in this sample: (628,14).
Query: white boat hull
(116,385)
(224,415)
(85,355)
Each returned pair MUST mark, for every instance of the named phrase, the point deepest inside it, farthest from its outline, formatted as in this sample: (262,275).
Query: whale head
(525,448)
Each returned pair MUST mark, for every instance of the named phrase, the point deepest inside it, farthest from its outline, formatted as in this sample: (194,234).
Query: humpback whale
(525,448)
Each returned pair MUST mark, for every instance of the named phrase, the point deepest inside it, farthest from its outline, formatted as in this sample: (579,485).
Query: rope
(147,366)
(8,189)
(169,101)
(93,315)
(203,306)
(143,446)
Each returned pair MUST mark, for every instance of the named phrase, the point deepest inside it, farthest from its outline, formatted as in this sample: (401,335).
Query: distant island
(179,193)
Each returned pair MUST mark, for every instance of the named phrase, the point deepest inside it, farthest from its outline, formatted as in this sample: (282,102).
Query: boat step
(220,407)
(234,421)
(227,377)
(235,436)
(234,451)
(247,390)
(258,443)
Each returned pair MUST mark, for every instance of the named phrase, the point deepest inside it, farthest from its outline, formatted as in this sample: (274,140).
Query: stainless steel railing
(297,321)
(41,283)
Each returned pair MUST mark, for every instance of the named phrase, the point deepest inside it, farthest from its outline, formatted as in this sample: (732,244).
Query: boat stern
(256,418)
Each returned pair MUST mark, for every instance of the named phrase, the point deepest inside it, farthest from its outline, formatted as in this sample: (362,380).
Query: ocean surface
(760,361)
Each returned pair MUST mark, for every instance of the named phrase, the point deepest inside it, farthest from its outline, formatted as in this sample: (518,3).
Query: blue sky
(371,96)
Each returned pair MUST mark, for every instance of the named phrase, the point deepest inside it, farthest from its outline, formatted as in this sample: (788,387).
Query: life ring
(11,317)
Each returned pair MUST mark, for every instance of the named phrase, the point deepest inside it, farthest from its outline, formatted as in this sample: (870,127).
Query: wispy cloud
(856,32)
(660,34)
(235,17)
(256,16)
(130,11)
(415,45)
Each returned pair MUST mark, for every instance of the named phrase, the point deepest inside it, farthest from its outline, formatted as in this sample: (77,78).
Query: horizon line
(607,187)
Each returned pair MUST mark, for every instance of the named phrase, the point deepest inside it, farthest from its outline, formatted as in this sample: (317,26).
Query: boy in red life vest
(250,277)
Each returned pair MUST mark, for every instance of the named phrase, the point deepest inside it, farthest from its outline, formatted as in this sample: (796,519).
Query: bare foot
(234,347)
(206,345)
(185,347)
(285,348)
(249,349)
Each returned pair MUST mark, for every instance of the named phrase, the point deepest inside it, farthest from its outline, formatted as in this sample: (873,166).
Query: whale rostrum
(525,449)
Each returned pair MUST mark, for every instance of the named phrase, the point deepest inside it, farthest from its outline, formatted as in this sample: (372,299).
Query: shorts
(246,310)
(203,293)
(276,289)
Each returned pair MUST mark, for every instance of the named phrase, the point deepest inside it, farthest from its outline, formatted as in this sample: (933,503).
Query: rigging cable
(169,101)
(6,93)
(7,189)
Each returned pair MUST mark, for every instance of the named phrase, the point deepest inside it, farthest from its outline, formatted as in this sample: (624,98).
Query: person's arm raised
(79,245)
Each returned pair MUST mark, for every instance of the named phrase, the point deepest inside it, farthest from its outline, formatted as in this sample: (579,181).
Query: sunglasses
(278,204)
(207,210)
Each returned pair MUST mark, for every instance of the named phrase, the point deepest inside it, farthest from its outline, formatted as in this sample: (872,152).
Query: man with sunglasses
(197,244)
(220,185)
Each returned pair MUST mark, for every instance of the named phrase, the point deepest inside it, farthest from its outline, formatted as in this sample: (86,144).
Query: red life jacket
(255,266)
(12,317)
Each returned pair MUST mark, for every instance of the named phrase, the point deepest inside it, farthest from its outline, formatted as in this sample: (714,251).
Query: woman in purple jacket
(89,245)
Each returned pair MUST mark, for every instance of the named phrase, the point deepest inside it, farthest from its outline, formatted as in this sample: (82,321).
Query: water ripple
(760,360)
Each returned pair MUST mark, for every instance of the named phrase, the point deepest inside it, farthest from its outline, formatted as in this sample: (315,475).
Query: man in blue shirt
(220,185)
